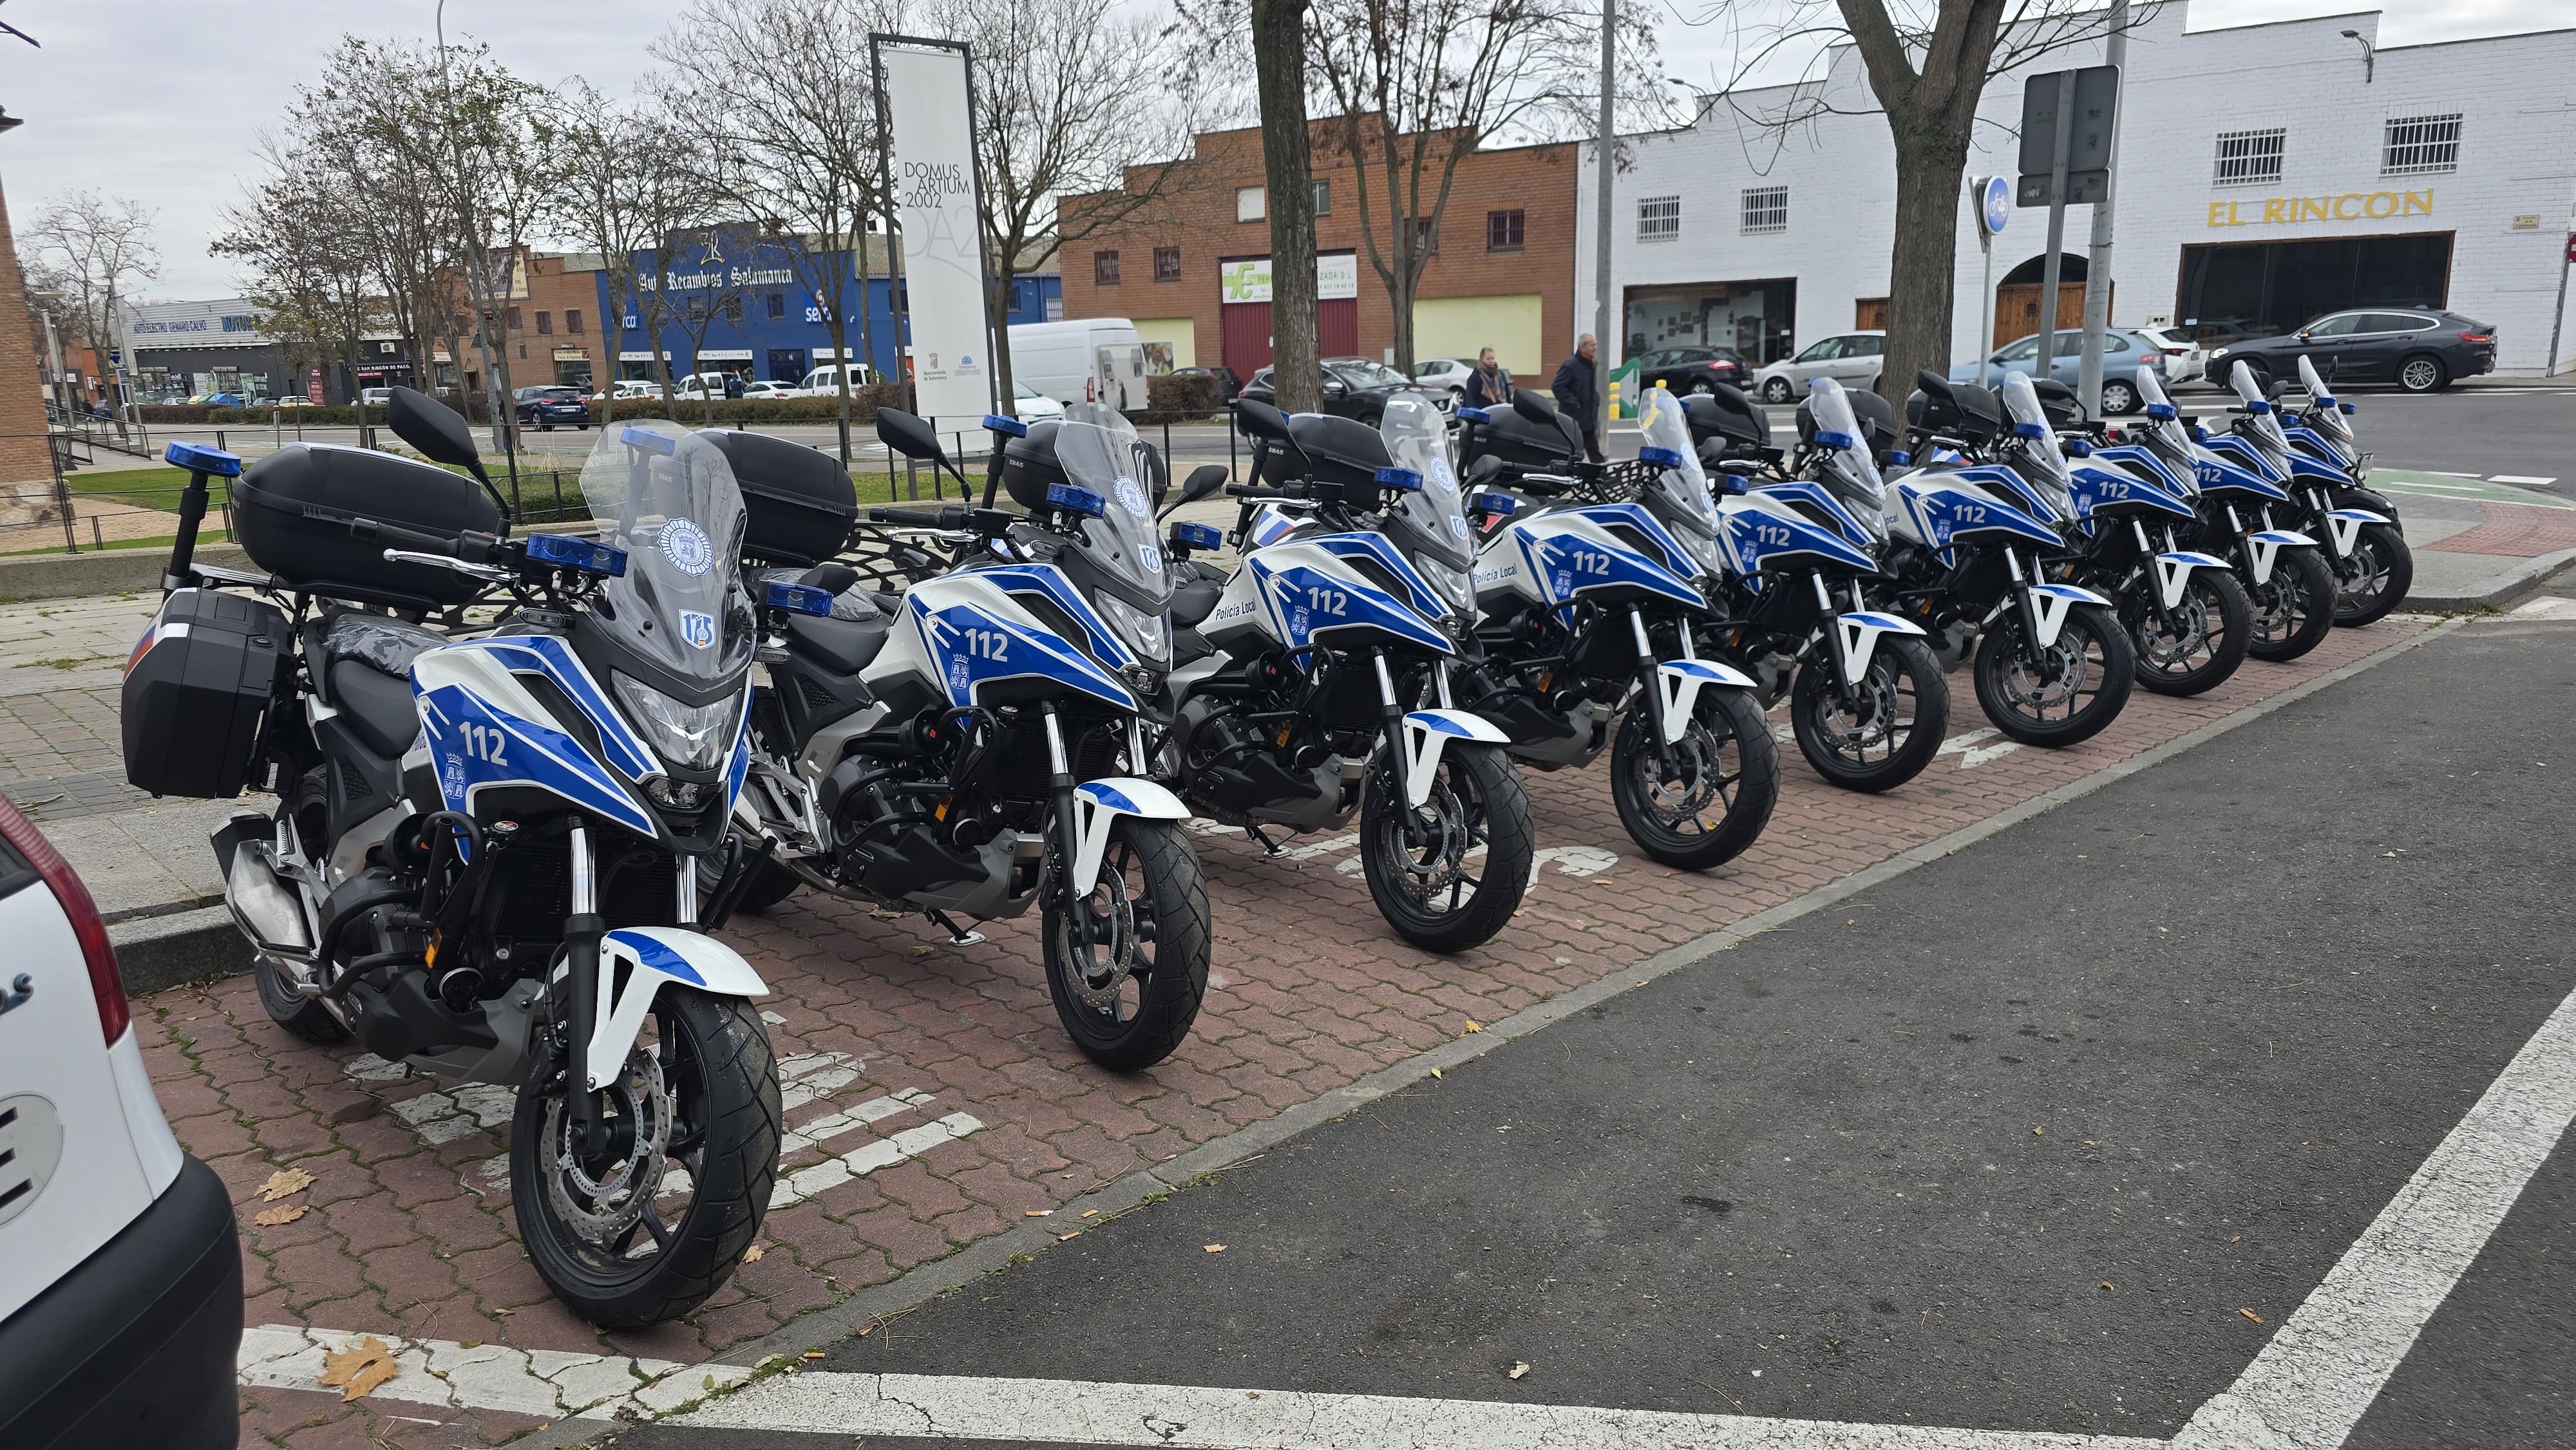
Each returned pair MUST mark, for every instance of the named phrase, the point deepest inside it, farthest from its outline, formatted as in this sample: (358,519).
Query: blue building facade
(761,320)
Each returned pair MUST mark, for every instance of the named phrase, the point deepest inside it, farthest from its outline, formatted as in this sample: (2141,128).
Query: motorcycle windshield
(668,498)
(1847,469)
(1099,451)
(2323,414)
(2038,459)
(2263,422)
(1684,485)
(1432,520)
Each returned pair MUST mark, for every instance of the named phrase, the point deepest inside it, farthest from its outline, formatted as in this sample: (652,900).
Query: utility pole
(1605,355)
(2097,274)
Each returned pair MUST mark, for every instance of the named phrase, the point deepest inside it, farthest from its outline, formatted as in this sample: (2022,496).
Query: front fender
(1858,633)
(2173,573)
(653,957)
(1427,733)
(1097,805)
(2343,526)
(2052,603)
(1680,681)
(2263,550)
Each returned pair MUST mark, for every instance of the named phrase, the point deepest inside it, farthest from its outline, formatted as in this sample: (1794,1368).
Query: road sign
(2091,119)
(1994,204)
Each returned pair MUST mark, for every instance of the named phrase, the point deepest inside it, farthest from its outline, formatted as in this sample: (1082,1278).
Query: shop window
(1503,230)
(2247,158)
(545,324)
(2413,144)
(1167,264)
(572,320)
(1104,269)
(1426,236)
(1659,218)
(1249,204)
(775,305)
(1766,208)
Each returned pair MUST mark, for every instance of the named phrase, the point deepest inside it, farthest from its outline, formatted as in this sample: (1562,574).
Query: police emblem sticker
(686,546)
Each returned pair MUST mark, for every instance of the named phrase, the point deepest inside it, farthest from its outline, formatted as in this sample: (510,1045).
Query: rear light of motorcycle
(105,983)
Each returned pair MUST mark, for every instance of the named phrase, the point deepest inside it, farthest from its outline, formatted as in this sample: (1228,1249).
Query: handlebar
(946,516)
(1254,491)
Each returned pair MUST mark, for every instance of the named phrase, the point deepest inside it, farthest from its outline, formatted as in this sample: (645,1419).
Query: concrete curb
(2521,581)
(101,571)
(156,953)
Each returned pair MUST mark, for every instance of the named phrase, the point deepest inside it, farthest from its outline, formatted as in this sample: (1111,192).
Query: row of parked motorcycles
(522,777)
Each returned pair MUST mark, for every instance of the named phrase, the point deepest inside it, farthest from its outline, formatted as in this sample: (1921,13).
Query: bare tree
(305,256)
(1287,165)
(1928,64)
(626,193)
(94,251)
(706,294)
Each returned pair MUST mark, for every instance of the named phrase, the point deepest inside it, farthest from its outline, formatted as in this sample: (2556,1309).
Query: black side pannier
(295,509)
(205,673)
(799,504)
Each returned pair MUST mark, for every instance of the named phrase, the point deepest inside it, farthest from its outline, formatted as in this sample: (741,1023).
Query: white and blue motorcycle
(486,854)
(2364,539)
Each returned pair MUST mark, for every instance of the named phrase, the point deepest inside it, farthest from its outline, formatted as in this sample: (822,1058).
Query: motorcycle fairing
(1270,524)
(2216,473)
(1427,733)
(1566,555)
(652,956)
(1097,805)
(2327,447)
(2264,546)
(2095,488)
(1419,596)
(2008,484)
(2173,573)
(1050,582)
(1809,492)
(1859,633)
(481,729)
(2052,603)
(2307,465)
(2140,459)
(1762,532)
(1306,591)
(969,633)
(1943,511)
(551,657)
(2343,527)
(1680,681)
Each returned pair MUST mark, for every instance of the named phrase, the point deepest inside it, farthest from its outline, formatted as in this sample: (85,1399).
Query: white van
(825,381)
(1084,360)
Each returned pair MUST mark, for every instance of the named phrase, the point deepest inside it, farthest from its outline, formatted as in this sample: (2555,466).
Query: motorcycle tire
(2042,698)
(302,1017)
(2215,614)
(1476,802)
(1842,753)
(2293,611)
(1128,995)
(706,1068)
(2384,572)
(1691,811)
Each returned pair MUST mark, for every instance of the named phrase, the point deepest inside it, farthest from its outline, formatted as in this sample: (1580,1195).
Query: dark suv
(2420,349)
(543,407)
(1356,387)
(1691,369)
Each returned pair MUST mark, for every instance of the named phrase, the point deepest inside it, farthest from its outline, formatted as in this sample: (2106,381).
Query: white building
(2266,176)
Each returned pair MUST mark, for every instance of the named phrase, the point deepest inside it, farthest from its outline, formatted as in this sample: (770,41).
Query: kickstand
(1265,842)
(958,936)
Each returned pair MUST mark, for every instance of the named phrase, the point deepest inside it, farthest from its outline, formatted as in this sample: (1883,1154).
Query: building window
(1766,208)
(1659,218)
(733,309)
(513,319)
(1167,264)
(1248,204)
(545,324)
(1503,230)
(1104,269)
(777,306)
(1426,236)
(2246,158)
(2420,143)
(1323,198)
(572,320)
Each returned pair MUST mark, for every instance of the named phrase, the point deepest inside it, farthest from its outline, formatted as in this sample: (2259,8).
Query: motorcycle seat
(843,646)
(376,705)
(1194,600)
(380,642)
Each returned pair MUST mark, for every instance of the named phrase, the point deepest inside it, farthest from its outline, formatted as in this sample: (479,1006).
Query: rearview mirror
(1203,482)
(1483,468)
(1533,407)
(909,436)
(437,431)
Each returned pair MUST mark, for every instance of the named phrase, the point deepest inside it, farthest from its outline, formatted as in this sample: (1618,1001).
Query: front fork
(1399,764)
(582,932)
(1650,677)
(2147,574)
(1068,828)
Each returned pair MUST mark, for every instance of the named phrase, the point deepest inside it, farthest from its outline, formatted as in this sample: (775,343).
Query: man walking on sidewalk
(1578,393)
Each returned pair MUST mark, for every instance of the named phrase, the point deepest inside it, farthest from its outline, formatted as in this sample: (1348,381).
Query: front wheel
(2062,694)
(2375,579)
(1710,793)
(639,1229)
(2204,642)
(1457,877)
(1129,988)
(1885,730)
(2294,609)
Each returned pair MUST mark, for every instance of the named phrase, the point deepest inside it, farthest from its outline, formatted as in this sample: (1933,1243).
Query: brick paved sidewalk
(933,1099)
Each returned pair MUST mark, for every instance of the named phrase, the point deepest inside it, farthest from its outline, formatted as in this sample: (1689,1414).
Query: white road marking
(2446,473)
(859,1162)
(1084,1413)
(2547,606)
(541,1382)
(1970,752)
(2517,478)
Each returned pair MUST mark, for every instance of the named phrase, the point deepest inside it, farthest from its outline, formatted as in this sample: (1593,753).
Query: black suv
(1691,369)
(1356,387)
(542,408)
(2420,349)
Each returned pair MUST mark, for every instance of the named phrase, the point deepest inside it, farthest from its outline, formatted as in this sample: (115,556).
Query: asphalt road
(2050,1134)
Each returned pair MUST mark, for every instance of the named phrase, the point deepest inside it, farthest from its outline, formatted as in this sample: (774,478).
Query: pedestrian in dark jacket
(1578,394)
(733,385)
(1490,385)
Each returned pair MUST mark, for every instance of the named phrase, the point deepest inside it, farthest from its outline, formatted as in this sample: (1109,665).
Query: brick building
(26,448)
(1190,267)
(552,326)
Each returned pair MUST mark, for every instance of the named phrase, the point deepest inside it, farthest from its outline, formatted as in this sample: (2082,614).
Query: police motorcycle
(973,748)
(1972,547)
(1295,700)
(2365,542)
(484,858)
(1583,640)
(2242,478)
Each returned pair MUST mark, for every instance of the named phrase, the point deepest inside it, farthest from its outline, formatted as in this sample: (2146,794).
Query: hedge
(1174,398)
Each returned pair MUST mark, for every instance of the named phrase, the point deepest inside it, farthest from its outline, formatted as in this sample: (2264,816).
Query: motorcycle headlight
(1149,635)
(1704,550)
(1455,585)
(693,736)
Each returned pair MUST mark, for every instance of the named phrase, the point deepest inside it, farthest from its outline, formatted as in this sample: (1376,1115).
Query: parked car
(1445,372)
(1227,384)
(1082,359)
(375,397)
(700,385)
(1849,358)
(1356,387)
(217,400)
(1691,369)
(825,381)
(2185,359)
(2420,349)
(625,388)
(2122,351)
(544,408)
(768,388)
(121,1296)
(1031,406)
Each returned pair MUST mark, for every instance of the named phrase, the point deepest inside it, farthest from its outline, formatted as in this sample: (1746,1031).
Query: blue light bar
(587,555)
(1197,536)
(2348,408)
(1074,499)
(2257,406)
(1404,480)
(1900,459)
(648,440)
(1476,415)
(2030,430)
(2199,434)
(1836,438)
(1500,505)
(2325,400)
(2163,412)
(1012,426)
(198,458)
(800,599)
(1661,457)
(2078,448)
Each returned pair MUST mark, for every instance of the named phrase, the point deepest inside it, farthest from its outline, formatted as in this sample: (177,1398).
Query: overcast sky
(162,100)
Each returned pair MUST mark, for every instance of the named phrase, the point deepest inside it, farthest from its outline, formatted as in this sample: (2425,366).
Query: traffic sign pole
(2046,362)
(2097,269)
(1993,196)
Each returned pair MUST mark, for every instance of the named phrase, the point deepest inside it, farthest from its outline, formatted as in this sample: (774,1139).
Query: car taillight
(104,981)
(2477,337)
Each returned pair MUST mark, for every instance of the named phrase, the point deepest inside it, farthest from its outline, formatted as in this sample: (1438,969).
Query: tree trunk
(997,306)
(836,326)
(1922,264)
(1279,57)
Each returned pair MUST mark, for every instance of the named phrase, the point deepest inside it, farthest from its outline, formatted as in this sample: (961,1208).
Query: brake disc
(602,1207)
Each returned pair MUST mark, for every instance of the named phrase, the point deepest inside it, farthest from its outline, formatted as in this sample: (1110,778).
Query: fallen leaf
(921,951)
(2039,1132)
(1214,1249)
(276,1216)
(1519,1370)
(1475,1026)
(357,1372)
(752,1255)
(2250,1314)
(1435,1072)
(2107,1288)
(283,1182)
